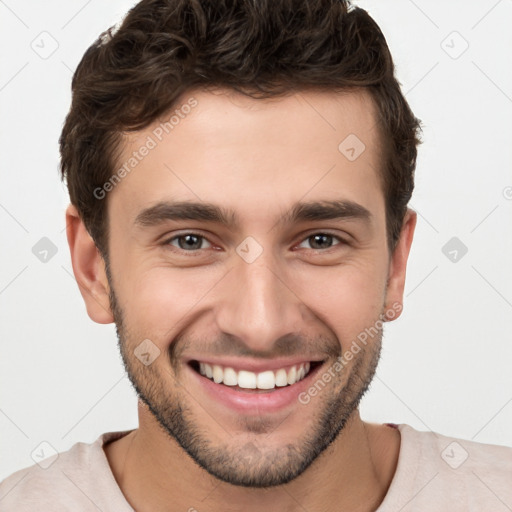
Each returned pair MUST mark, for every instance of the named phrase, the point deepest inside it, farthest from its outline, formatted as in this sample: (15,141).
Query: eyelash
(197,251)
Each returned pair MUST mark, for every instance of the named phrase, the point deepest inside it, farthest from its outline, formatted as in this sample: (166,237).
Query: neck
(353,473)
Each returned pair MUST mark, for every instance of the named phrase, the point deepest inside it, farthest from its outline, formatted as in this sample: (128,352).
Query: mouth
(245,380)
(252,387)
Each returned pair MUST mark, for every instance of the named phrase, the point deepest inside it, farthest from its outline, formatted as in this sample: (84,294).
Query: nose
(257,303)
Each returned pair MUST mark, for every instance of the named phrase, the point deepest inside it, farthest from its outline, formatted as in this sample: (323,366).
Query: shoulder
(69,480)
(436,471)
(459,456)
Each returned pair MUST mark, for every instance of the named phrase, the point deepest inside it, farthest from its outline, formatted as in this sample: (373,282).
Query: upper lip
(254,365)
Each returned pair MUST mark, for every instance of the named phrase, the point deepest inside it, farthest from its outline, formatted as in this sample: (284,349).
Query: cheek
(159,301)
(347,298)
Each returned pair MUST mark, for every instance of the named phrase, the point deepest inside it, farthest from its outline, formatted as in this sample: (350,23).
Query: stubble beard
(247,463)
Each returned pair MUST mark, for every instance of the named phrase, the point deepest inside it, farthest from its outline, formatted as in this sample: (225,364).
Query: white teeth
(266,380)
(281,378)
(292,375)
(218,374)
(245,379)
(230,377)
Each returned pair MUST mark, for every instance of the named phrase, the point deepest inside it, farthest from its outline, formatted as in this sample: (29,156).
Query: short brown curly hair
(131,76)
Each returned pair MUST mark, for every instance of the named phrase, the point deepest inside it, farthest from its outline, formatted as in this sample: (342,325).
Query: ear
(89,268)
(397,266)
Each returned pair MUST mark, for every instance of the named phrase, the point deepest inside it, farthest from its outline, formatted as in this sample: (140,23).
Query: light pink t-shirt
(434,473)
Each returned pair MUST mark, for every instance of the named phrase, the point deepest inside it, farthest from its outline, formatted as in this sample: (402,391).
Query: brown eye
(319,241)
(190,242)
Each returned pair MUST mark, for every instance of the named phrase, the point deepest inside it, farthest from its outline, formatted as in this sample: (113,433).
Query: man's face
(272,292)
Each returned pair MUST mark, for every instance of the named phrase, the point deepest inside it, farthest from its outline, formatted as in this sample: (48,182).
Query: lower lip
(255,402)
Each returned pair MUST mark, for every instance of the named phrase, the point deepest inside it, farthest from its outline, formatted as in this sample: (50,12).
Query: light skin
(301,299)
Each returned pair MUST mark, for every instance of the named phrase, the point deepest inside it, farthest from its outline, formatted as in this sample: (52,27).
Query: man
(239,174)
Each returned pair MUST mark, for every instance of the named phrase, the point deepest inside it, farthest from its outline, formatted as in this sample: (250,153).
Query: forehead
(256,154)
(317,116)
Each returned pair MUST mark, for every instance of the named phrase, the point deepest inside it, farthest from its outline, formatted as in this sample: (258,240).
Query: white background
(446,362)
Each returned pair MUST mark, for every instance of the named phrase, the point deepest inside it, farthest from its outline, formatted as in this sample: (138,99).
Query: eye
(320,241)
(190,242)
(193,242)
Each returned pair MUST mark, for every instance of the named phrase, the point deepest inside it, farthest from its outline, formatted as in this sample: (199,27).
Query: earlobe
(89,268)
(398,266)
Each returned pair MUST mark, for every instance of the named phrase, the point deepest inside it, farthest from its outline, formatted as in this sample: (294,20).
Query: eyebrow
(201,211)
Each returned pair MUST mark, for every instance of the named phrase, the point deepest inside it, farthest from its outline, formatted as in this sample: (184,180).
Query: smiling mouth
(245,380)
